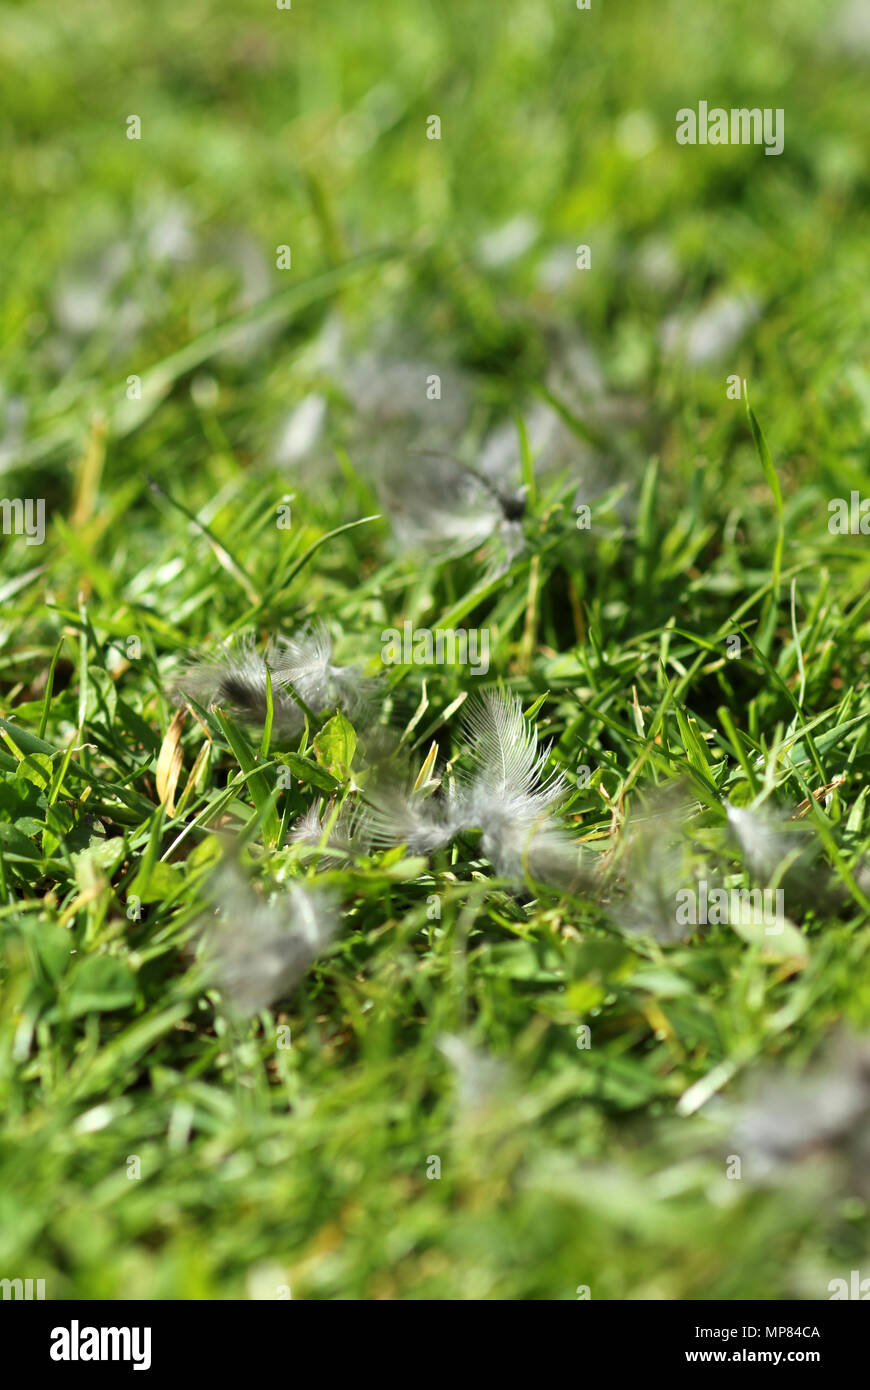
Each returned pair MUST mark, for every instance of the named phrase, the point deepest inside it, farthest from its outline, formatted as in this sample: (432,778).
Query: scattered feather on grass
(508,794)
(794,1116)
(304,661)
(334,842)
(235,680)
(776,848)
(767,847)
(711,331)
(394,815)
(446,506)
(480,1078)
(654,864)
(260,948)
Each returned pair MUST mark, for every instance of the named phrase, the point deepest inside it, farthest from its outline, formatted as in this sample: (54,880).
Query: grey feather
(261,949)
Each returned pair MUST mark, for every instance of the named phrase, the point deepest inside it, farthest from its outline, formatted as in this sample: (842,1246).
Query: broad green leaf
(335,745)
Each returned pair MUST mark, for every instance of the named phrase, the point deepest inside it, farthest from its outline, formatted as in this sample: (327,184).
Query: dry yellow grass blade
(169,762)
(423,780)
(819,794)
(88,472)
(81,900)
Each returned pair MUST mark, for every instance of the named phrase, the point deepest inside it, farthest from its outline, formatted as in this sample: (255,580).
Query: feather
(304,662)
(510,795)
(542,852)
(509,772)
(507,794)
(481,1079)
(774,848)
(655,864)
(262,949)
(235,679)
(437,501)
(790,1115)
(392,815)
(311,827)
(763,842)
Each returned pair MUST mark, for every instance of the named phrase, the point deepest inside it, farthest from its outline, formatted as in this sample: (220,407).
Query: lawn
(349,325)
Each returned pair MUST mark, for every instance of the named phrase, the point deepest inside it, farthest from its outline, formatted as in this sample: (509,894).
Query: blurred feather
(775,847)
(263,948)
(235,680)
(393,815)
(764,844)
(712,330)
(791,1115)
(480,1077)
(392,401)
(442,504)
(654,864)
(304,661)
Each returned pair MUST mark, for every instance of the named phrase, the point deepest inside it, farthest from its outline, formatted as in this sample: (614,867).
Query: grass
(152,1146)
